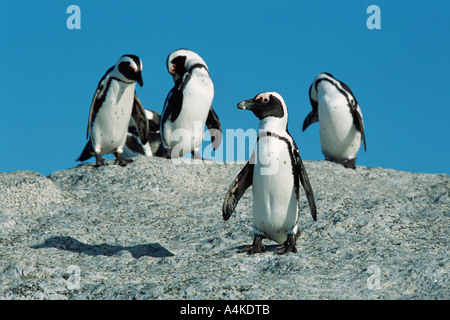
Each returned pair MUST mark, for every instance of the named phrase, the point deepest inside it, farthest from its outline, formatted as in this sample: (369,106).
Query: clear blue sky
(400,74)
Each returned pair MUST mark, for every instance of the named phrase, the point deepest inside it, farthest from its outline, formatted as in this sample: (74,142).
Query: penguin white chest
(274,196)
(197,100)
(198,95)
(338,135)
(109,129)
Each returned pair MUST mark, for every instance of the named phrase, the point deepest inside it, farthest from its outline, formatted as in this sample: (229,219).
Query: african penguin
(341,123)
(275,172)
(134,145)
(187,107)
(111,110)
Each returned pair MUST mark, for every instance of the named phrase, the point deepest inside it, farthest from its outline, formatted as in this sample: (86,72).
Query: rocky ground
(154,230)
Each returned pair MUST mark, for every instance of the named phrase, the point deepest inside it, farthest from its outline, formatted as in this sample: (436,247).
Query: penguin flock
(119,124)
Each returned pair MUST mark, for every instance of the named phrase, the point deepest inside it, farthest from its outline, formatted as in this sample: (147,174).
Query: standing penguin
(275,172)
(188,106)
(340,118)
(111,110)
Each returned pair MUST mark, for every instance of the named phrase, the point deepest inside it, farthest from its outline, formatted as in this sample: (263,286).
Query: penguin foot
(349,163)
(120,160)
(288,245)
(166,153)
(99,161)
(256,247)
(196,155)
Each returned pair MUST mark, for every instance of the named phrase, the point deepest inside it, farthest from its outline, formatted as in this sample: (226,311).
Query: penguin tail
(87,152)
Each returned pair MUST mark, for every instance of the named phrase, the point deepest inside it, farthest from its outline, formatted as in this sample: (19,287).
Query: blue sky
(400,73)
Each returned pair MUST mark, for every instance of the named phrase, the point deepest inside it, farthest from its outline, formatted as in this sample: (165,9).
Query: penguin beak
(246,104)
(139,79)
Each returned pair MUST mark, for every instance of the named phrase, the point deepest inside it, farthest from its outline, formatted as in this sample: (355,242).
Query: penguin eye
(263,99)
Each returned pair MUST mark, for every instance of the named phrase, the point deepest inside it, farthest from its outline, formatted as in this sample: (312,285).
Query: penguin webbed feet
(120,160)
(349,163)
(165,152)
(288,245)
(99,161)
(256,247)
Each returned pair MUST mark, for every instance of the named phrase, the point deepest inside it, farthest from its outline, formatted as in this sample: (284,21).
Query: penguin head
(318,81)
(268,107)
(181,61)
(130,67)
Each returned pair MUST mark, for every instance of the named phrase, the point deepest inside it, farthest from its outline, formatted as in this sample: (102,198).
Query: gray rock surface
(154,230)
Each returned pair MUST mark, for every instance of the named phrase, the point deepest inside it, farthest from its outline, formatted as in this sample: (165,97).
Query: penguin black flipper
(313,116)
(300,172)
(172,106)
(88,152)
(215,128)
(241,183)
(358,122)
(354,110)
(97,101)
(174,100)
(140,118)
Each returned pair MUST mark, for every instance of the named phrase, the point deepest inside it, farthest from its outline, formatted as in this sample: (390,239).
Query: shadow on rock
(154,250)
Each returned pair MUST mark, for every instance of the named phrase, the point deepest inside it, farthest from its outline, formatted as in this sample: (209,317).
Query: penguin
(150,122)
(111,110)
(187,108)
(275,171)
(335,107)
